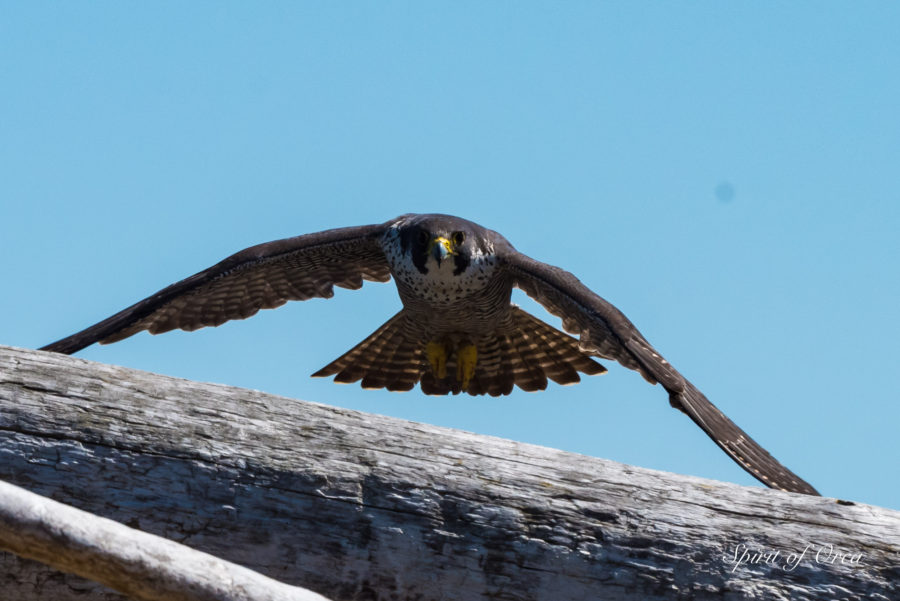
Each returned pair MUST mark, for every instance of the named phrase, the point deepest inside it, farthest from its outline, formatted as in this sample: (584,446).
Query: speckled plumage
(455,279)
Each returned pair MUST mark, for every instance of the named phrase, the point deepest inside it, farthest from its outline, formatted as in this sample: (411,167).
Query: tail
(525,353)
(389,358)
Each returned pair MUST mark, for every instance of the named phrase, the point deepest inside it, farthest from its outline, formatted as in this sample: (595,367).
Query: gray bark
(144,566)
(360,506)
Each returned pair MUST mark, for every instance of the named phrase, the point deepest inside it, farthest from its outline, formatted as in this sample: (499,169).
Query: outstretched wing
(260,277)
(605,331)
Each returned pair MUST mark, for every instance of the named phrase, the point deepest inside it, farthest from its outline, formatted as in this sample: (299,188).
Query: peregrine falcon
(457,331)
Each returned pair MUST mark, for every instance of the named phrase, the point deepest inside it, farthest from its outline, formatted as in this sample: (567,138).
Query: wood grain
(141,565)
(358,506)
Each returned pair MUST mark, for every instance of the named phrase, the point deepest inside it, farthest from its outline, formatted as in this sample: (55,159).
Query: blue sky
(724,173)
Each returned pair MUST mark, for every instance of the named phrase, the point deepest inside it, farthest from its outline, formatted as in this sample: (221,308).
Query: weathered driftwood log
(144,566)
(359,506)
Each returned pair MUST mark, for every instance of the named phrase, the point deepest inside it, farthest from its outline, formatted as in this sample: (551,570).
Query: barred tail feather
(527,368)
(526,353)
(530,352)
(388,358)
(562,357)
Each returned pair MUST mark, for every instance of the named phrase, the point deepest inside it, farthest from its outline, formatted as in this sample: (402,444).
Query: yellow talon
(466,359)
(437,358)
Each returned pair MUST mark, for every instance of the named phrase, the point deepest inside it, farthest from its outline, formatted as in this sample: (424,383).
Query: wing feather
(605,331)
(264,276)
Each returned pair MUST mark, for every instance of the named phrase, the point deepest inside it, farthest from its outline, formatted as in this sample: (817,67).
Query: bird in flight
(457,331)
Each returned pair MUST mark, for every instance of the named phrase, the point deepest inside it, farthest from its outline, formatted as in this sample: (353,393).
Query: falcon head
(443,244)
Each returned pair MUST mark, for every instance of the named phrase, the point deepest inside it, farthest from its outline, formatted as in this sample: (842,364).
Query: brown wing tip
(322,373)
(745,451)
(60,346)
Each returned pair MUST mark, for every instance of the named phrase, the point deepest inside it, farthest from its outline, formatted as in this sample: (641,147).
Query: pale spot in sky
(725,192)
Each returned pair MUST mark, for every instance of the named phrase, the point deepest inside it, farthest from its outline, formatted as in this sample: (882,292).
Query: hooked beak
(440,248)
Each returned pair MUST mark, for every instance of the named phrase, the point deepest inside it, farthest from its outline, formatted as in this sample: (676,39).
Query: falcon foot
(466,359)
(437,354)
(437,358)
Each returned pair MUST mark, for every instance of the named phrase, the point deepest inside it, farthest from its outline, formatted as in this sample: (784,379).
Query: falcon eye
(424,236)
(458,238)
